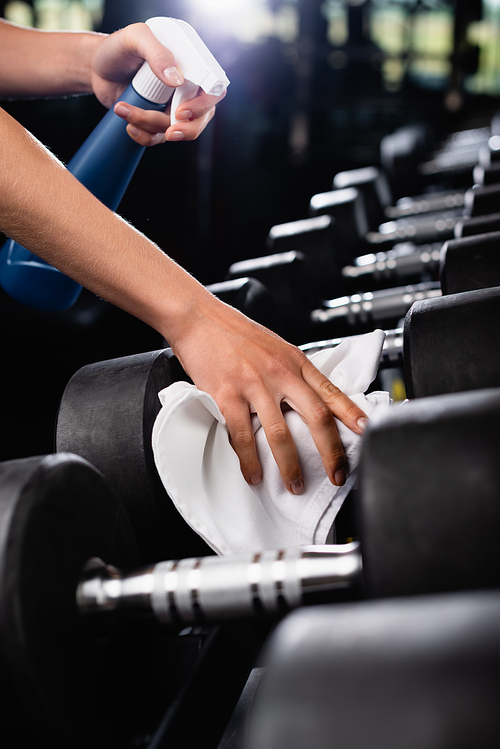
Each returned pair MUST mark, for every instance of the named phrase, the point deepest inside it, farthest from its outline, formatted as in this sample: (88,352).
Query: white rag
(201,472)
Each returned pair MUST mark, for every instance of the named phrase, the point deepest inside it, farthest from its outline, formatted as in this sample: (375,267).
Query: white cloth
(201,471)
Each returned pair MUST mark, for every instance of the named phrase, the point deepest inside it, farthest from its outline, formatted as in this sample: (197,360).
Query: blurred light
(19,12)
(248,21)
(75,15)
(216,6)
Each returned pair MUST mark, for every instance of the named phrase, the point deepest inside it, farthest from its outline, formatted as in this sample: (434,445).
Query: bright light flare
(248,21)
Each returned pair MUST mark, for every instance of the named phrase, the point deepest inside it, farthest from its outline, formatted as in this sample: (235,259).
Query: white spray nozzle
(198,65)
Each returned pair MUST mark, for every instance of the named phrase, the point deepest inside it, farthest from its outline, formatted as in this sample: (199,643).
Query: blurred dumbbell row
(345,270)
(416,658)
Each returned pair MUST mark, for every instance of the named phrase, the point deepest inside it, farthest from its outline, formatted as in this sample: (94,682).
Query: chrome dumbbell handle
(372,306)
(420,204)
(392,351)
(211,589)
(402,260)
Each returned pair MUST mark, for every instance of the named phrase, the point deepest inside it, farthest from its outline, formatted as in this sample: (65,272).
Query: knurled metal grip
(203,590)
(212,588)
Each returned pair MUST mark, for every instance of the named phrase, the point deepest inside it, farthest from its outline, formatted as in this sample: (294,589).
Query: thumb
(160,59)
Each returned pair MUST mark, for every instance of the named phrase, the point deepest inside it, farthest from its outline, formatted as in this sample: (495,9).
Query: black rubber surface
(62,685)
(106,415)
(430,487)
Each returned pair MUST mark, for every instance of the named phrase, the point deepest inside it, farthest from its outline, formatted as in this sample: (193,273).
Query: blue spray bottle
(108,158)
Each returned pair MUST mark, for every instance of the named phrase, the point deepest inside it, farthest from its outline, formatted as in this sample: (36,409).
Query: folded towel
(201,471)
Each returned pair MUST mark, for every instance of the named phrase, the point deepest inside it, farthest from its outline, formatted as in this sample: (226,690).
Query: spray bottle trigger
(187,91)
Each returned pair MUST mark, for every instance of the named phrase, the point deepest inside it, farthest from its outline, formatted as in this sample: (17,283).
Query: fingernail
(297,487)
(175,135)
(254,480)
(121,109)
(340,477)
(173,76)
(185,115)
(362,423)
(133,131)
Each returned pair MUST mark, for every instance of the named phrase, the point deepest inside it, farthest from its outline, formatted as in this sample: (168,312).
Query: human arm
(242,365)
(35,63)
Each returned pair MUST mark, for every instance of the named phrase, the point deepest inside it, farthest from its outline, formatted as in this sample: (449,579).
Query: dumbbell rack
(210,665)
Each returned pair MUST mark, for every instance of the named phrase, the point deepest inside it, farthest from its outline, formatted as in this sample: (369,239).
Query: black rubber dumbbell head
(55,514)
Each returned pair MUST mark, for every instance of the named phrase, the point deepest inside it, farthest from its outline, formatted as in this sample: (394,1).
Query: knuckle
(142,139)
(138,119)
(278,366)
(322,415)
(242,440)
(278,433)
(329,391)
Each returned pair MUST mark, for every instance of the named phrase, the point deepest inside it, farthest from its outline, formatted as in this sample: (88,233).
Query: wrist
(84,52)
(182,317)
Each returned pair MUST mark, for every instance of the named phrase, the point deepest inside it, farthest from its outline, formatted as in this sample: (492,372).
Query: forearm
(242,365)
(45,63)
(47,210)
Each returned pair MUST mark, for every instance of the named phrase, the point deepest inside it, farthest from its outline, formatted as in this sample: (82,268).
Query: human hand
(247,369)
(115,61)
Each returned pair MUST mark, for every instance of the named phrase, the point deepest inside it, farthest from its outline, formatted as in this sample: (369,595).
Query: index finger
(318,401)
(200,105)
(341,406)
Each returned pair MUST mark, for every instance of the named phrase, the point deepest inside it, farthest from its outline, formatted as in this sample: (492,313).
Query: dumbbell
(375,189)
(457,162)
(479,267)
(65,538)
(413,216)
(334,232)
(287,276)
(446,344)
(387,258)
(433,227)
(377,267)
(478,200)
(407,261)
(106,415)
(250,296)
(108,408)
(398,555)
(358,203)
(70,681)
(410,158)
(403,262)
(312,236)
(402,151)
(470,263)
(375,675)
(350,223)
(295,282)
(362,312)
(291,280)
(374,186)
(483,174)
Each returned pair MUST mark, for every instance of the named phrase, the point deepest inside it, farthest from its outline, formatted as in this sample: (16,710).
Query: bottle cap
(195,60)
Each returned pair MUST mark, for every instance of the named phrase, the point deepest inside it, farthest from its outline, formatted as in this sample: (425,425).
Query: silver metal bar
(392,350)
(402,260)
(211,589)
(375,305)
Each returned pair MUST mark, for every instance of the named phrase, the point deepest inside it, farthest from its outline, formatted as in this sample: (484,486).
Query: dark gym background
(315,85)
